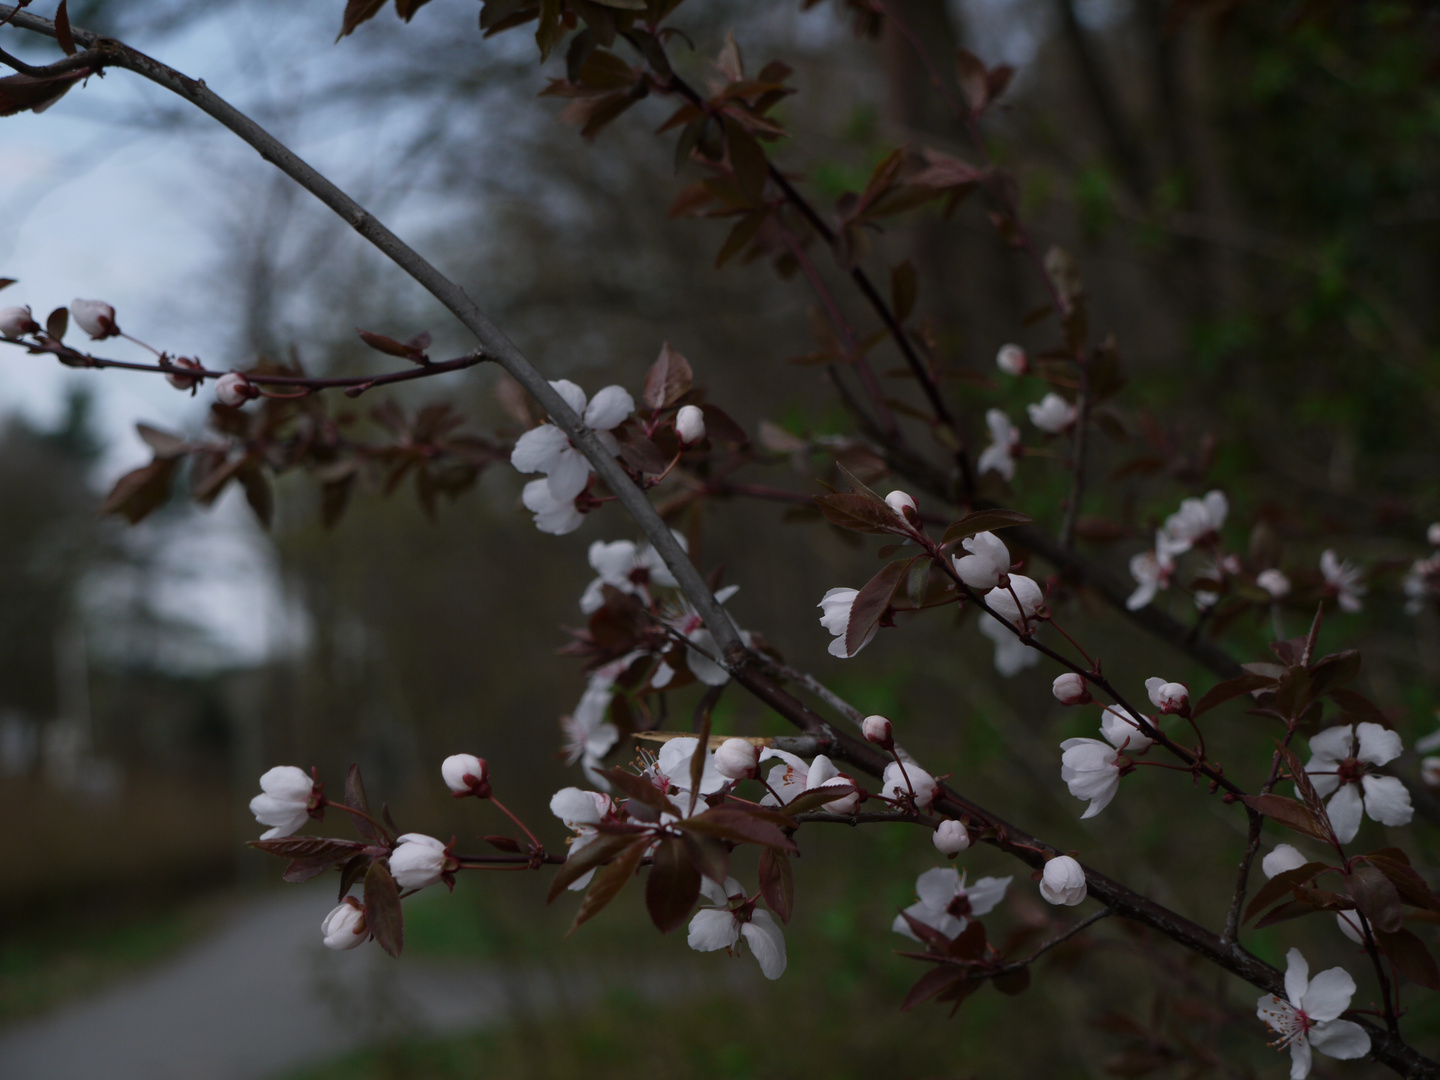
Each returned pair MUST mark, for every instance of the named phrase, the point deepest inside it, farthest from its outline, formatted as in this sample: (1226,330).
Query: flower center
(1350,771)
(959,907)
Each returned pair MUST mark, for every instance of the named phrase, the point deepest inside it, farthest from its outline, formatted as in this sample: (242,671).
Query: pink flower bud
(1063,881)
(879,731)
(344,927)
(951,837)
(15,321)
(182,382)
(95,317)
(466,774)
(1012,360)
(233,390)
(1070,689)
(1168,697)
(690,425)
(737,759)
(903,505)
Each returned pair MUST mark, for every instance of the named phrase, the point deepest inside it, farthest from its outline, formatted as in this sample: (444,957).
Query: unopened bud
(903,505)
(878,731)
(95,317)
(233,390)
(1070,689)
(182,382)
(690,425)
(1012,360)
(1063,881)
(951,837)
(1168,697)
(466,774)
(737,759)
(15,321)
(344,927)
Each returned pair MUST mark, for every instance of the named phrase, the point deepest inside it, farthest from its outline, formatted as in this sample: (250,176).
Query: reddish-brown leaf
(590,856)
(382,908)
(737,826)
(63,34)
(140,492)
(777,883)
(357,12)
(1376,898)
(978,521)
(859,513)
(1410,957)
(1285,812)
(21,92)
(668,380)
(608,882)
(1228,690)
(870,603)
(1280,885)
(673,885)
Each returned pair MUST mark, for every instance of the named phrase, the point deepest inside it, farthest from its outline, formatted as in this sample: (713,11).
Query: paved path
(262,996)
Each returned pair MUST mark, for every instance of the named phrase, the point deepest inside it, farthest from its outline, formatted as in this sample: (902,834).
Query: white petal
(711,929)
(593,598)
(1326,780)
(1336,743)
(674,757)
(700,665)
(1377,744)
(937,887)
(1345,812)
(613,561)
(287,782)
(575,807)
(986,893)
(1299,1058)
(572,394)
(1386,800)
(569,475)
(767,943)
(1341,1039)
(1349,925)
(1297,977)
(1329,994)
(609,408)
(538,449)
(1284,857)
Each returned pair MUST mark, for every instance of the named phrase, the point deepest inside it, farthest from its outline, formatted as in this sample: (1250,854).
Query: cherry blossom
(554,516)
(1338,765)
(946,903)
(1284,857)
(724,926)
(793,777)
(233,389)
(1012,360)
(690,425)
(466,774)
(1070,689)
(588,737)
(835,608)
(344,927)
(1152,571)
(1091,770)
(672,768)
(1004,446)
(1310,1018)
(15,321)
(95,317)
(629,567)
(1274,582)
(1003,601)
(1168,697)
(950,837)
(702,650)
(546,449)
(1195,520)
(1052,413)
(581,811)
(738,759)
(904,505)
(1342,581)
(900,782)
(288,795)
(988,564)
(1012,655)
(1063,881)
(419,860)
(1122,732)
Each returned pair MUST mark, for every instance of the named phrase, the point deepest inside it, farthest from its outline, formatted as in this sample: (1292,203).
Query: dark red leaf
(356,800)
(382,908)
(978,521)
(640,789)
(859,513)
(608,882)
(142,491)
(1395,865)
(1280,885)
(933,982)
(590,856)
(1285,812)
(668,380)
(63,34)
(1410,957)
(738,826)
(58,321)
(1228,690)
(357,12)
(21,92)
(903,290)
(777,883)
(1376,898)
(673,885)
(870,603)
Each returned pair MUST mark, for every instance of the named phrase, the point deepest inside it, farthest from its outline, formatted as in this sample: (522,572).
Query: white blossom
(1012,360)
(895,778)
(1342,581)
(1000,455)
(946,903)
(546,449)
(1052,414)
(419,860)
(15,321)
(1152,571)
(793,777)
(1070,689)
(672,765)
(988,564)
(835,608)
(1012,655)
(95,317)
(1196,519)
(1091,770)
(738,759)
(465,774)
(702,651)
(1122,732)
(1274,582)
(690,425)
(950,837)
(1310,1018)
(1002,601)
(629,567)
(344,927)
(1063,881)
(1168,697)
(552,515)
(1284,857)
(581,811)
(284,802)
(721,927)
(588,736)
(1339,766)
